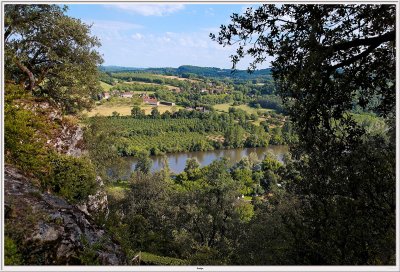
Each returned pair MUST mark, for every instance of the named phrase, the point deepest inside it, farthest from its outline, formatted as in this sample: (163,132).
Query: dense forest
(329,95)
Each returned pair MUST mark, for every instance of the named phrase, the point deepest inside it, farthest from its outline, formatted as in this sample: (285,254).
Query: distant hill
(113,68)
(189,71)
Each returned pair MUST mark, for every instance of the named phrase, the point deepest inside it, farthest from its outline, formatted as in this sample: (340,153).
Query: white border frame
(202,268)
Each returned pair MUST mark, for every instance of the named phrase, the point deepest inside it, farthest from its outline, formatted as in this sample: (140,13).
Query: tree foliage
(51,55)
(328,59)
(324,54)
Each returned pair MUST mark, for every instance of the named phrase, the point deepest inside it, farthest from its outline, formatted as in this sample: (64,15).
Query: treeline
(196,98)
(107,78)
(188,71)
(268,102)
(149,78)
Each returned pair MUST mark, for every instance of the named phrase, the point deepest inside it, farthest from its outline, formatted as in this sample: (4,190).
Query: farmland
(225,108)
(107,109)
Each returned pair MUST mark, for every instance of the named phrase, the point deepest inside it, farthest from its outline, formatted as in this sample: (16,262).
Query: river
(177,161)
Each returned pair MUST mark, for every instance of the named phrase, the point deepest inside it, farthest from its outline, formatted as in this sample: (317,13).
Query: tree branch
(353,59)
(388,36)
(28,72)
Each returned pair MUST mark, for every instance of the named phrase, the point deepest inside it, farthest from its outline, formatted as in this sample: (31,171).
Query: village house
(151,101)
(106,95)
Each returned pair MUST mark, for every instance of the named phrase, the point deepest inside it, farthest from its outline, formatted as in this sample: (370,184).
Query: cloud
(137,36)
(108,30)
(166,49)
(210,12)
(149,9)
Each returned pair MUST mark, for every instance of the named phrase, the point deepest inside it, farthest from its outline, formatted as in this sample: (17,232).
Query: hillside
(188,70)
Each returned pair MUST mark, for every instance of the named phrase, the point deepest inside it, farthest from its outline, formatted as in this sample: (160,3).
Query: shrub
(11,253)
(72,178)
(24,133)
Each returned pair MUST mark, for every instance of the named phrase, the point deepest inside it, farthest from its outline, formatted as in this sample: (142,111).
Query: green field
(154,84)
(123,106)
(106,87)
(225,108)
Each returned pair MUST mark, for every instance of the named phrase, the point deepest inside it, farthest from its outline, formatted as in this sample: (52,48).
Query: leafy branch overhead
(51,54)
(323,55)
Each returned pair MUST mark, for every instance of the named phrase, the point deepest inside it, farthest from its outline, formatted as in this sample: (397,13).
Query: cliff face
(50,231)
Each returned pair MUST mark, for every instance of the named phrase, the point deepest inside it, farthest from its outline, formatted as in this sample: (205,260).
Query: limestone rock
(50,230)
(96,203)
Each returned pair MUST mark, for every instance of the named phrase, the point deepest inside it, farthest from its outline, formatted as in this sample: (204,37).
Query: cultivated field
(246,108)
(180,78)
(107,109)
(106,87)
(170,87)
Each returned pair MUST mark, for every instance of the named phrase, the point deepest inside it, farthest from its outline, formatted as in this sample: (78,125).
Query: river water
(177,161)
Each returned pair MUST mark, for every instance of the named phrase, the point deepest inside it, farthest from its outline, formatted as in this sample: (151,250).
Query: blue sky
(159,35)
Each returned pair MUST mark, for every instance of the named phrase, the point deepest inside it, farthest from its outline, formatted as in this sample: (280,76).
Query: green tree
(328,59)
(102,142)
(192,169)
(208,213)
(137,112)
(51,55)
(147,212)
(155,113)
(73,178)
(144,163)
(234,136)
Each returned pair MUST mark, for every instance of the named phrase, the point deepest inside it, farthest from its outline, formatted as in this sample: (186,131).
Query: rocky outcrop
(66,136)
(97,204)
(50,231)
(70,140)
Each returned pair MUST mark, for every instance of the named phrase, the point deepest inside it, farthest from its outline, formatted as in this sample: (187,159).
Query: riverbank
(177,161)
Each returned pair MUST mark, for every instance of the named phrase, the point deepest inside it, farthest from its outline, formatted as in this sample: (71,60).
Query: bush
(11,253)
(72,178)
(24,133)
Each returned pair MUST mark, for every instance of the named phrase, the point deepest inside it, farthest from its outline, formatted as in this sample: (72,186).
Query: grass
(123,106)
(117,191)
(225,108)
(162,108)
(180,78)
(152,259)
(257,122)
(106,87)
(155,84)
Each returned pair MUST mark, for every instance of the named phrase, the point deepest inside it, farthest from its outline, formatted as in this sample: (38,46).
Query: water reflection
(177,161)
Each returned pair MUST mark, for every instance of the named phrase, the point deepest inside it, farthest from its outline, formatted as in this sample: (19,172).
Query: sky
(160,35)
